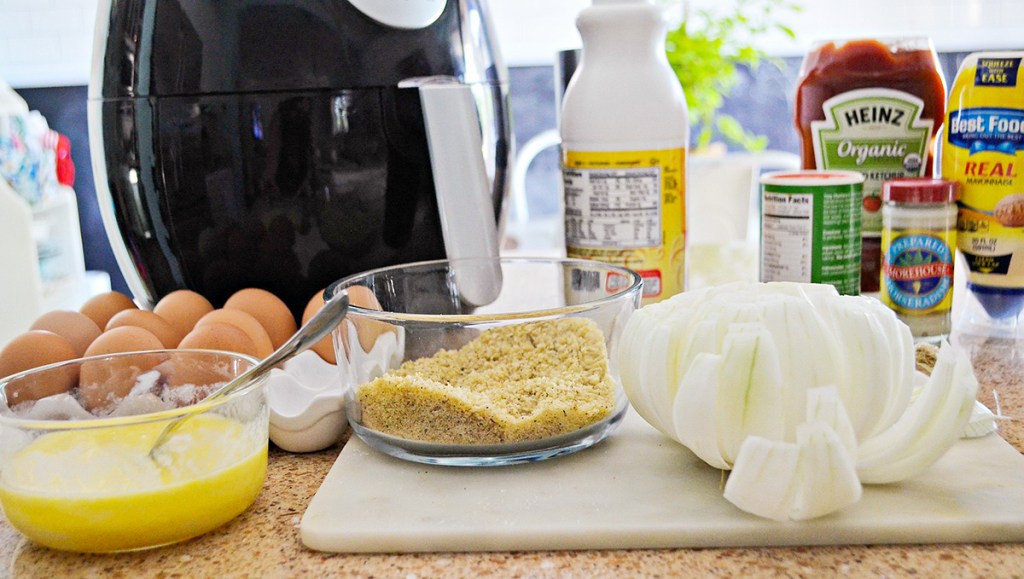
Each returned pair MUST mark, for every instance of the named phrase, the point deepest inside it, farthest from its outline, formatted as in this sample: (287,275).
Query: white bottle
(21,290)
(625,131)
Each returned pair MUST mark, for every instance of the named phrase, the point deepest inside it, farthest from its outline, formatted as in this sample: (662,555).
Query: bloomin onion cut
(804,394)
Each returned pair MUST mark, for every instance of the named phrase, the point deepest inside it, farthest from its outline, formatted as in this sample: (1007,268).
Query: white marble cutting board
(641,490)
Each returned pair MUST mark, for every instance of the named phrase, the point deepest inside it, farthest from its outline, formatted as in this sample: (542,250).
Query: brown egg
(245,322)
(124,339)
(367,330)
(325,347)
(77,328)
(102,307)
(168,335)
(103,383)
(219,336)
(192,375)
(31,350)
(268,309)
(183,308)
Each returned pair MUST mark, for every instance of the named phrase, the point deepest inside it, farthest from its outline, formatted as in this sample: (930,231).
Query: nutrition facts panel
(613,208)
(787,224)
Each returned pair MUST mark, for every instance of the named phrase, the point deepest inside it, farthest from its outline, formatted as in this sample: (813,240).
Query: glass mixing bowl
(83,480)
(482,362)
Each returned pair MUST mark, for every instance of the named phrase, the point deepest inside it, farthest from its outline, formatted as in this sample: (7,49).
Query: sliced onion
(981,423)
(828,476)
(825,406)
(694,410)
(812,477)
(744,370)
(763,482)
(930,426)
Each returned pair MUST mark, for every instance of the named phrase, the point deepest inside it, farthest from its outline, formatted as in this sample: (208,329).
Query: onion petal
(763,481)
(749,391)
(810,478)
(825,406)
(828,476)
(930,426)
(981,423)
(694,410)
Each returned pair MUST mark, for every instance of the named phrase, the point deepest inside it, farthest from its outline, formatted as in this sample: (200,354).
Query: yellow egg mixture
(98,490)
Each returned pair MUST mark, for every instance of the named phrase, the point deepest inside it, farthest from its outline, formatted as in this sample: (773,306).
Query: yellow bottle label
(983,150)
(628,208)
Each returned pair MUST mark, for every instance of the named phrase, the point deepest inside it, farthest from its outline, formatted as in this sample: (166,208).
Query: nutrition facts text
(618,208)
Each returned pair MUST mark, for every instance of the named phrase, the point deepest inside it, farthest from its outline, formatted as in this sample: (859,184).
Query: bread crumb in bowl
(511,384)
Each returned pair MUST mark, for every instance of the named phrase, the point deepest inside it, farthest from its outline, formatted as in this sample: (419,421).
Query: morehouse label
(917,272)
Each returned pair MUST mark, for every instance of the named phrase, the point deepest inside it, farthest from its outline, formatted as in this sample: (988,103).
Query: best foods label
(984,151)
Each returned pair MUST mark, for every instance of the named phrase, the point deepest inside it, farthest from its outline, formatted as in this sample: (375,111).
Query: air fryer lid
(230,46)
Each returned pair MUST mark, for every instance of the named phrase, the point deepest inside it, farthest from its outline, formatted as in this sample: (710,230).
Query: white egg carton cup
(307,404)
(306,398)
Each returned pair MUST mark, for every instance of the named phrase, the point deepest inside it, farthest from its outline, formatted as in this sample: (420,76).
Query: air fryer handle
(464,201)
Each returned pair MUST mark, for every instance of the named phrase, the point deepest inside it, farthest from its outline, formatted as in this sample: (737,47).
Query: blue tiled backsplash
(763,102)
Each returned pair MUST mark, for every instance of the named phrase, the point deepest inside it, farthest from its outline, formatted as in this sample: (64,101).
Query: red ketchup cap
(929,191)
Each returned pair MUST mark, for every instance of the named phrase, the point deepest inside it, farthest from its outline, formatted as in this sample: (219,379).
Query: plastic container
(21,290)
(624,133)
(58,238)
(918,245)
(983,150)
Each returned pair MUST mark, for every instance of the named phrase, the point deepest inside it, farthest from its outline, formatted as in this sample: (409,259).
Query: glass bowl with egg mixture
(484,362)
(75,438)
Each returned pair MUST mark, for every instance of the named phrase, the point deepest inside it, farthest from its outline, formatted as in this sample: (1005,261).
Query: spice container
(873,106)
(810,228)
(918,242)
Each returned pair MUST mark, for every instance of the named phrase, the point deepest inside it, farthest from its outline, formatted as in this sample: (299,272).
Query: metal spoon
(329,316)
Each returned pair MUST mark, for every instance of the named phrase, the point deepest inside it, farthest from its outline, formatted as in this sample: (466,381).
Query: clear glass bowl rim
(32,424)
(632,289)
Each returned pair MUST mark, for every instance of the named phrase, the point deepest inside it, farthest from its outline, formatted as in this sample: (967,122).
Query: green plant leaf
(704,51)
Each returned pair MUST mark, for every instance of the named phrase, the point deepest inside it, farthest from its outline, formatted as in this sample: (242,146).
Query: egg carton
(307,404)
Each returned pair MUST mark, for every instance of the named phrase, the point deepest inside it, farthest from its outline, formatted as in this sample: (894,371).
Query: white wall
(531,31)
(46,42)
(49,42)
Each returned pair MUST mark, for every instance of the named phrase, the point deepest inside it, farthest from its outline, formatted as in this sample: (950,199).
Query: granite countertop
(264,541)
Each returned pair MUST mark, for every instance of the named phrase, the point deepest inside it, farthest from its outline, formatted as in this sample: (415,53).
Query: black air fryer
(283,144)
